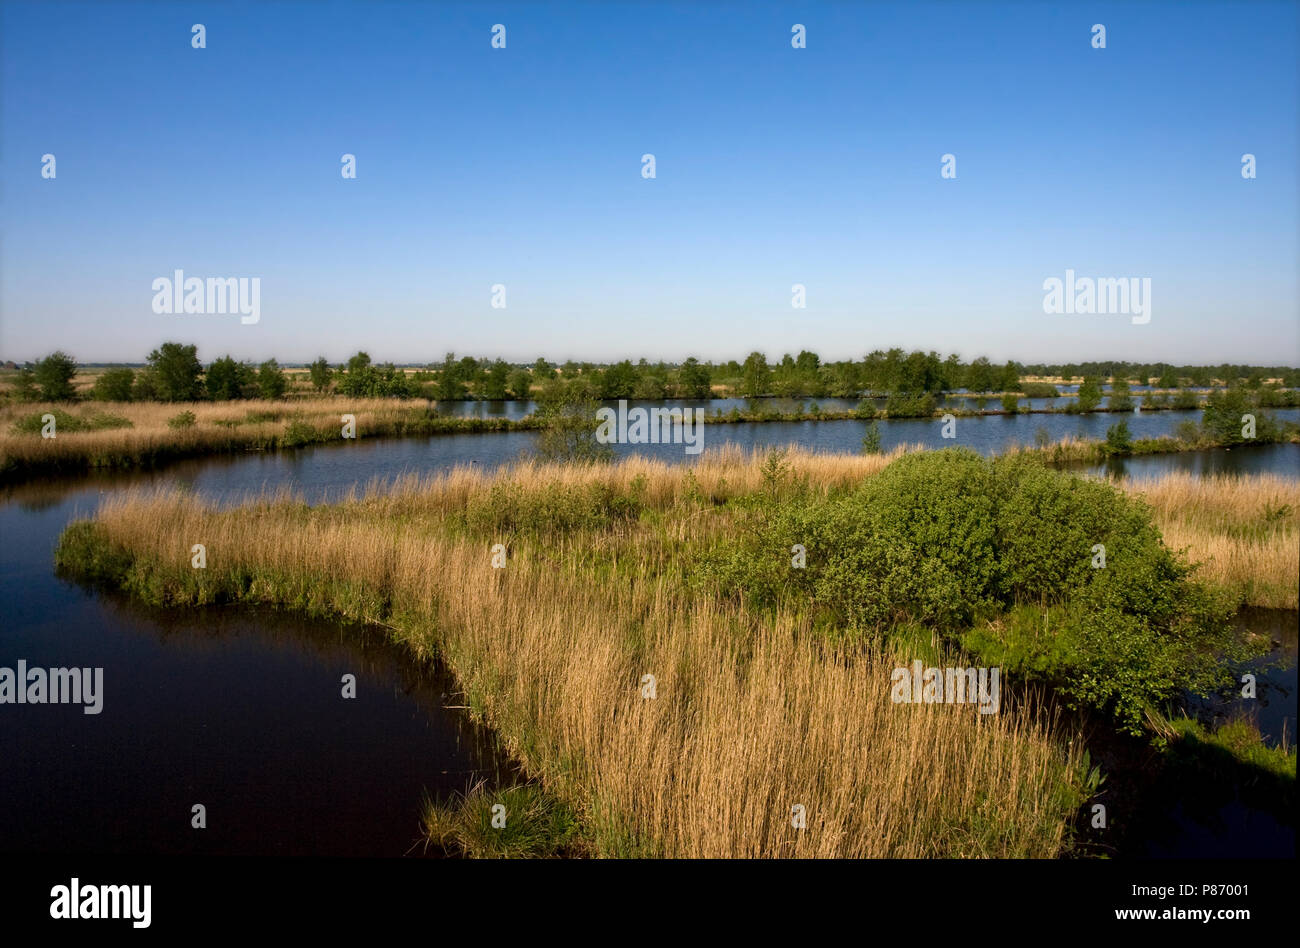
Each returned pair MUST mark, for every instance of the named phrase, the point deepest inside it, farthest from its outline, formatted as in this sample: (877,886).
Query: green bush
(114,385)
(1002,556)
(185,419)
(909,406)
(65,422)
(1118,439)
(871,439)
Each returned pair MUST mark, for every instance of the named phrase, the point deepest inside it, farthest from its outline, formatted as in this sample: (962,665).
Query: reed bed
(217,428)
(752,716)
(1245,531)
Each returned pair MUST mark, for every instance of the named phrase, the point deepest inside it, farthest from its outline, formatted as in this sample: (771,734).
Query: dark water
(242,711)
(239,711)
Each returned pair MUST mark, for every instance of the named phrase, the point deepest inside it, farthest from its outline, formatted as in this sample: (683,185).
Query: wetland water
(241,710)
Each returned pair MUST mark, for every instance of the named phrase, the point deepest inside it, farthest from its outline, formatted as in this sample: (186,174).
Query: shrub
(184,419)
(1118,439)
(910,406)
(66,422)
(114,385)
(871,439)
(54,375)
(299,433)
(966,545)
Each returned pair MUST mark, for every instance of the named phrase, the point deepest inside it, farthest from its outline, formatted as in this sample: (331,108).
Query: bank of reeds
(151,435)
(112,435)
(1245,531)
(751,717)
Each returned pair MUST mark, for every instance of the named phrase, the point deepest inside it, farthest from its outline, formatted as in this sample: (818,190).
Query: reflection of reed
(377,662)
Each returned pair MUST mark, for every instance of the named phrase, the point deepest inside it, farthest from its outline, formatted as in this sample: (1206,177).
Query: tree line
(174,373)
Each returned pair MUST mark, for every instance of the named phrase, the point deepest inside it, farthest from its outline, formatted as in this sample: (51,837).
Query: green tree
(270,379)
(871,440)
(1089,394)
(1010,377)
(360,380)
(54,375)
(979,376)
(25,386)
(1222,419)
(321,374)
(568,415)
(1118,439)
(496,380)
(114,385)
(520,384)
(693,380)
(176,371)
(1121,398)
(451,386)
(227,379)
(755,376)
(619,380)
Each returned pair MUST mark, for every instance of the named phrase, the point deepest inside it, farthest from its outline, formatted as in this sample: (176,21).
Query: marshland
(526,587)
(771,684)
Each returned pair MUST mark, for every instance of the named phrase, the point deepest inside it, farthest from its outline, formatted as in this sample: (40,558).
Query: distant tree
(871,440)
(451,384)
(176,372)
(25,389)
(568,414)
(227,379)
(542,370)
(979,376)
(54,374)
(1089,394)
(321,374)
(520,384)
(271,382)
(496,380)
(693,380)
(114,385)
(1120,397)
(1118,440)
(1010,378)
(146,386)
(360,380)
(1224,410)
(619,380)
(755,377)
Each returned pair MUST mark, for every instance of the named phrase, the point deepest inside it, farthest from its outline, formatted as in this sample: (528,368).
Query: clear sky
(775,166)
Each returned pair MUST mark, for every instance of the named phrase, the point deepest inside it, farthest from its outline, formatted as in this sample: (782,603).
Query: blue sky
(775,166)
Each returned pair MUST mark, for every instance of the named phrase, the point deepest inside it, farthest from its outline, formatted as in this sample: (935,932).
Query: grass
(521,821)
(752,715)
(1245,531)
(142,434)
